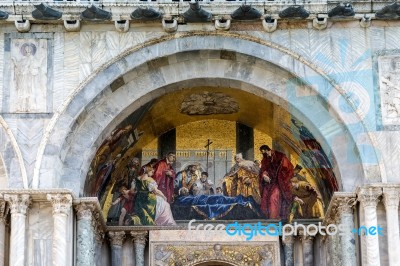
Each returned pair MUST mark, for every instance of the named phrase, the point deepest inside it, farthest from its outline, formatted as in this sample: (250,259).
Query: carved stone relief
(192,254)
(208,103)
(28,81)
(389,82)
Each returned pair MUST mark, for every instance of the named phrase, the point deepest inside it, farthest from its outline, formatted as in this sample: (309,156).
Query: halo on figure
(31,46)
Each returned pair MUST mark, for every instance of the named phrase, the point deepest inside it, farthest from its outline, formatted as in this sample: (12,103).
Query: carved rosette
(139,237)
(84,210)
(18,203)
(61,203)
(369,196)
(391,197)
(117,237)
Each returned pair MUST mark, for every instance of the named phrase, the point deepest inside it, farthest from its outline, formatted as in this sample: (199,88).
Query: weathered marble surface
(389,83)
(61,210)
(288,249)
(116,239)
(369,200)
(85,235)
(391,198)
(18,208)
(28,88)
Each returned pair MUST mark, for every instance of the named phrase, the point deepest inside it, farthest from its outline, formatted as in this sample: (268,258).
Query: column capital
(391,197)
(288,240)
(61,203)
(369,196)
(117,237)
(345,205)
(139,237)
(18,203)
(3,210)
(307,239)
(84,210)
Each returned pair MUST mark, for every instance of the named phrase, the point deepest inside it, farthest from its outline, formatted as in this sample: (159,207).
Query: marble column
(61,210)
(99,238)
(139,242)
(347,241)
(117,239)
(288,248)
(2,231)
(308,250)
(85,234)
(369,199)
(391,198)
(18,207)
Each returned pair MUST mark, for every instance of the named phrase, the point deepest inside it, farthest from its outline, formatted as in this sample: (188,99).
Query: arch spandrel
(285,59)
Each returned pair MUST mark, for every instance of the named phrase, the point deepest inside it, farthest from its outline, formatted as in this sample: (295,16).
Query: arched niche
(81,128)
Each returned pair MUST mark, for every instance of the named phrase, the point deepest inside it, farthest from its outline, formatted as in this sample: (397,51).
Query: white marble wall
(339,50)
(40,234)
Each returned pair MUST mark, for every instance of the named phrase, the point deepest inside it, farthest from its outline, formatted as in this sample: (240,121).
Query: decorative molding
(61,203)
(117,237)
(270,24)
(18,203)
(189,254)
(222,24)
(23,25)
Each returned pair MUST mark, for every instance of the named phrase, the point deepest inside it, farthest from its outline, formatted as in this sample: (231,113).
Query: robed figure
(164,175)
(242,179)
(275,174)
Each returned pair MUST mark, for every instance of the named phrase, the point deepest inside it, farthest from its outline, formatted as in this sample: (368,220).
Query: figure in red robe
(164,175)
(275,174)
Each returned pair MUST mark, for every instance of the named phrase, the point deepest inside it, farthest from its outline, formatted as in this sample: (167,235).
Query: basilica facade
(199,132)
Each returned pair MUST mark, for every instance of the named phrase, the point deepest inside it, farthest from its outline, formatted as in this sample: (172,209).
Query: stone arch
(148,67)
(12,173)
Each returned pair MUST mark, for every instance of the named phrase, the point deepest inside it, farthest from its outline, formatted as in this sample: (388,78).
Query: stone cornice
(37,195)
(121,10)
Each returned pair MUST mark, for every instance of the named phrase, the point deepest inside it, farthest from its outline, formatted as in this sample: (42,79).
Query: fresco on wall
(136,187)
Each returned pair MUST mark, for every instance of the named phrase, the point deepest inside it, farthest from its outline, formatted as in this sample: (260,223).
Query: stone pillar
(369,199)
(3,215)
(117,239)
(347,241)
(61,210)
(18,207)
(288,249)
(85,234)
(99,238)
(308,250)
(139,242)
(391,200)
